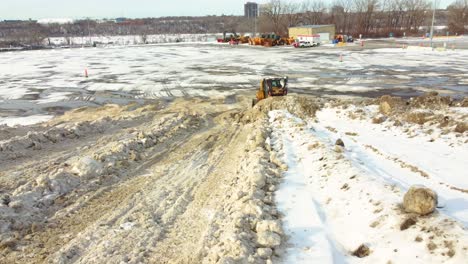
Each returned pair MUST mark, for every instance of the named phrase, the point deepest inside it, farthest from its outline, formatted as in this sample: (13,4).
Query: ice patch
(24,121)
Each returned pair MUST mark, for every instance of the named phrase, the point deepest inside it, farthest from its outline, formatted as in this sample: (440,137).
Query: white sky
(37,9)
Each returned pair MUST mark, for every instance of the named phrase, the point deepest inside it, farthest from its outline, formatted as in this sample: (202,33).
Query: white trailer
(316,38)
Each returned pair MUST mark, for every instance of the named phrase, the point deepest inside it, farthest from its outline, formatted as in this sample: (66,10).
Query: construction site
(300,132)
(141,155)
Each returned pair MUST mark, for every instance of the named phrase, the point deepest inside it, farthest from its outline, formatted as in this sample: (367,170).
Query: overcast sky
(37,9)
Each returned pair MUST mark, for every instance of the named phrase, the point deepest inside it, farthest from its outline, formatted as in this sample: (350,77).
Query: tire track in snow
(452,202)
(310,240)
(332,205)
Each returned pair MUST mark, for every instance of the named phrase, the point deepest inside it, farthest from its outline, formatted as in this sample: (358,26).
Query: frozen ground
(52,81)
(131,39)
(335,199)
(212,180)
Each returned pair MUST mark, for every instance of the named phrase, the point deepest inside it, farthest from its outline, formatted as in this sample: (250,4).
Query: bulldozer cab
(276,83)
(271,87)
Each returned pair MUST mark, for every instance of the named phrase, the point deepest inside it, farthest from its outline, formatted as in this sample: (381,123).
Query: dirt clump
(269,225)
(389,104)
(264,253)
(407,223)
(418,117)
(352,134)
(268,239)
(461,127)
(362,251)
(5,200)
(378,119)
(339,142)
(464,102)
(420,200)
(431,100)
(313,146)
(451,248)
(8,243)
(87,167)
(431,246)
(303,107)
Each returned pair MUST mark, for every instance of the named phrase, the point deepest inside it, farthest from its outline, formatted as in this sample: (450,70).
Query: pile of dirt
(389,105)
(304,107)
(431,101)
(429,108)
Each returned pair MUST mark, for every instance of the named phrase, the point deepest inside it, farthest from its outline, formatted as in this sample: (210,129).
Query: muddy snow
(202,181)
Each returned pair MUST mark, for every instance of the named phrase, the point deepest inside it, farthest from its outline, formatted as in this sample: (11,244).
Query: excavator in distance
(271,87)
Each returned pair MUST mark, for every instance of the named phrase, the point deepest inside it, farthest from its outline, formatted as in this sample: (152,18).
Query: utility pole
(255,27)
(89,33)
(432,26)
(257,12)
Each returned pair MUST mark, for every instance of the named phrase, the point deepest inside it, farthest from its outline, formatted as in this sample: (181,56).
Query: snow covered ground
(335,199)
(24,121)
(51,81)
(131,39)
(438,161)
(204,180)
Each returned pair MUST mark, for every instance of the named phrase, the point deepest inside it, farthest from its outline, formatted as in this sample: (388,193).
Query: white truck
(305,41)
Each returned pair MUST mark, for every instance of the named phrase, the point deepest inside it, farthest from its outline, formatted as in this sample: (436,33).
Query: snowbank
(335,199)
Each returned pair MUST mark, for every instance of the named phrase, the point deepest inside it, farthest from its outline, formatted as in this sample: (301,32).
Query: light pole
(432,26)
(89,33)
(255,21)
(255,27)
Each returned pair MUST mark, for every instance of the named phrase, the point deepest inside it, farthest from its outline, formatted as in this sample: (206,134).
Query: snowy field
(335,200)
(46,82)
(131,39)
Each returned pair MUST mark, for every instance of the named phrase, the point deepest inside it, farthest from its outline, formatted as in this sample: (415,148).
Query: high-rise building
(251,10)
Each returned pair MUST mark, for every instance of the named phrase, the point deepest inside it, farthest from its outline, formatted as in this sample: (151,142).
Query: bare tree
(416,13)
(393,16)
(292,16)
(458,16)
(314,11)
(341,15)
(365,14)
(273,12)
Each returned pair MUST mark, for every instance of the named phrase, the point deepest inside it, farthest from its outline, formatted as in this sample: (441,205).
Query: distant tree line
(371,18)
(32,33)
(367,17)
(458,16)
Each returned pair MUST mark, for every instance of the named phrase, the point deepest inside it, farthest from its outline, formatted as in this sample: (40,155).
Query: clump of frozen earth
(87,167)
(420,200)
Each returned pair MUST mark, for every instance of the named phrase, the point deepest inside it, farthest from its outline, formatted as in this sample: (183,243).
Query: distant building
(12,21)
(120,19)
(251,10)
(46,21)
(326,32)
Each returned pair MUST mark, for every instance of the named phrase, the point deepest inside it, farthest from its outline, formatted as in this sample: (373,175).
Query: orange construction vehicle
(271,87)
(270,40)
